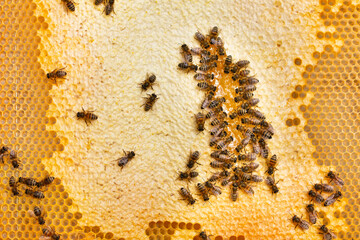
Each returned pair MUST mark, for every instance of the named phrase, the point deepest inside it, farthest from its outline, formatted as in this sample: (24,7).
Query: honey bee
(214,140)
(253,101)
(219,175)
(246,188)
(314,195)
(244,73)
(204,236)
(256,178)
(245,177)
(228,60)
(35,194)
(213,189)
(234,68)
(59,72)
(220,164)
(256,147)
(3,151)
(125,159)
(234,192)
(227,158)
(214,112)
(249,168)
(148,82)
(46,181)
(235,77)
(13,185)
(150,101)
(186,52)
(242,112)
(88,116)
(264,149)
(69,5)
(247,95)
(223,144)
(312,213)
(187,196)
(220,46)
(109,7)
(206,86)
(332,198)
(233,114)
(248,81)
(215,122)
(200,121)
(27,181)
(188,175)
(245,106)
(216,102)
(207,100)
(49,234)
(244,142)
(251,121)
(207,67)
(214,33)
(216,131)
(226,181)
(326,233)
(263,133)
(216,154)
(304,225)
(201,38)
(247,157)
(38,214)
(98,2)
(15,161)
(200,51)
(242,63)
(271,182)
(272,165)
(203,76)
(335,177)
(209,58)
(323,187)
(203,191)
(189,66)
(194,156)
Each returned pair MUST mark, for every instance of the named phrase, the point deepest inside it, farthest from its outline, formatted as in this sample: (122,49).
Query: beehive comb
(28,54)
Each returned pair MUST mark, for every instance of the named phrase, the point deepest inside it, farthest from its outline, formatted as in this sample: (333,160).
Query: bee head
(132,154)
(324,228)
(80,115)
(48,75)
(145,85)
(295,219)
(331,174)
(4,149)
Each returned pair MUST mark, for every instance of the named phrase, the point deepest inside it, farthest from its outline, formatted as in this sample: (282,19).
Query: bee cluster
(236,168)
(33,188)
(316,196)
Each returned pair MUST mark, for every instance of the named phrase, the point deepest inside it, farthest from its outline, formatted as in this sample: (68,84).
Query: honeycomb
(304,53)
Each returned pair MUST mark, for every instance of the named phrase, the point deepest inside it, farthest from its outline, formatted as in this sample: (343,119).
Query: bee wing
(269,181)
(43,212)
(31,213)
(304,224)
(44,238)
(312,217)
(339,181)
